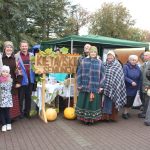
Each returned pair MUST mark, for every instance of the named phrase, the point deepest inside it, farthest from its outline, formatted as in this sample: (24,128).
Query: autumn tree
(77,17)
(112,20)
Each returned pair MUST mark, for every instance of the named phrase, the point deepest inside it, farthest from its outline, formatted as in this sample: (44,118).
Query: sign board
(64,63)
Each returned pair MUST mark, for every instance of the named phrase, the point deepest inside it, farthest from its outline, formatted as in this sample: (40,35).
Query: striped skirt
(15,110)
(86,110)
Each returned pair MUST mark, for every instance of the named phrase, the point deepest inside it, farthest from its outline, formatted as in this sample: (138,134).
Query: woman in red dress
(8,59)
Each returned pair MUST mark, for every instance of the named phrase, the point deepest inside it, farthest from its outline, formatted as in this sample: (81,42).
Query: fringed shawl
(115,84)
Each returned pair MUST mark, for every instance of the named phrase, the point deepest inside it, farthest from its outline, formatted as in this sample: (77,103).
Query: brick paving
(62,134)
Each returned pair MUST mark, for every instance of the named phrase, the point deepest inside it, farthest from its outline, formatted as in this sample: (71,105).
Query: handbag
(137,101)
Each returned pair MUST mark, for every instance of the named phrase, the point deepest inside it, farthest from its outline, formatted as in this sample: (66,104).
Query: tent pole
(71,46)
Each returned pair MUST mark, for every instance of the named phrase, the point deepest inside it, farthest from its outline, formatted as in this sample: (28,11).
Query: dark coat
(132,74)
(148,74)
(11,62)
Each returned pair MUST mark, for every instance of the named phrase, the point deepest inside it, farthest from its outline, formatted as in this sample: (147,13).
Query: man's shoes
(9,127)
(21,116)
(4,128)
(141,108)
(147,123)
(91,123)
(128,115)
(141,115)
(125,116)
(86,123)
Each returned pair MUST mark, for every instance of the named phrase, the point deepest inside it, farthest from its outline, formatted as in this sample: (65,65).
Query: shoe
(125,116)
(21,116)
(4,129)
(147,123)
(141,115)
(141,108)
(86,123)
(128,115)
(90,123)
(9,127)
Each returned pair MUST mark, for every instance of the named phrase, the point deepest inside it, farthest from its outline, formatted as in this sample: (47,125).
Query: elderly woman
(133,80)
(90,79)
(114,88)
(8,59)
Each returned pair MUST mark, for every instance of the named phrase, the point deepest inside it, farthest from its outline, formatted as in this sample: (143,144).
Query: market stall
(49,62)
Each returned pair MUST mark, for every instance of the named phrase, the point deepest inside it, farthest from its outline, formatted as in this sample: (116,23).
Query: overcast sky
(139,10)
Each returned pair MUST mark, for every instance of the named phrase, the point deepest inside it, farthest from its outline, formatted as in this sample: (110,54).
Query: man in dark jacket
(145,83)
(147,118)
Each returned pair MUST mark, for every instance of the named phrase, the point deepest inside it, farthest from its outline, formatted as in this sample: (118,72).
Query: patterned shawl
(90,75)
(115,84)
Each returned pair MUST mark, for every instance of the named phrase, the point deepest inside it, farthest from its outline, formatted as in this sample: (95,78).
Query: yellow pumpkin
(69,113)
(51,114)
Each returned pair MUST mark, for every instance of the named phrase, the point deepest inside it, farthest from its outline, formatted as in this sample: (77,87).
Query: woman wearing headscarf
(114,88)
(133,81)
(90,81)
(8,59)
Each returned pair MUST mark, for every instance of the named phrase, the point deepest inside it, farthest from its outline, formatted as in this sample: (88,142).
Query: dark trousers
(146,101)
(5,117)
(25,93)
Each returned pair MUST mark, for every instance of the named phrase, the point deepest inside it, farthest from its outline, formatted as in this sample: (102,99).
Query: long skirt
(86,110)
(15,110)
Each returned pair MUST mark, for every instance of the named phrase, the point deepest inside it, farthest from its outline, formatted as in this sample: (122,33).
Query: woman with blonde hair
(133,80)
(8,59)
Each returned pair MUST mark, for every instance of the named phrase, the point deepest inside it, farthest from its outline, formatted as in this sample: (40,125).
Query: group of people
(104,86)
(16,83)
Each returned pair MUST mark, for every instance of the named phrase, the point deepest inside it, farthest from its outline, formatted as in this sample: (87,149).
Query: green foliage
(48,51)
(64,50)
(138,34)
(31,20)
(76,18)
(112,20)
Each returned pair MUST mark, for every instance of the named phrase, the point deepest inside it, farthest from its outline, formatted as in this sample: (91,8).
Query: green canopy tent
(75,41)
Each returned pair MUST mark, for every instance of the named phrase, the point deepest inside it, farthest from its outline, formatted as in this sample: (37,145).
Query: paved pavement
(62,134)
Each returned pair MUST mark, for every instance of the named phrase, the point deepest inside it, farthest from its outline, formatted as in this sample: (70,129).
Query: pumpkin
(69,113)
(51,114)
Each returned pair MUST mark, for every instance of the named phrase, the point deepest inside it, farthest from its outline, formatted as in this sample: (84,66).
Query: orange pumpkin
(69,113)
(51,114)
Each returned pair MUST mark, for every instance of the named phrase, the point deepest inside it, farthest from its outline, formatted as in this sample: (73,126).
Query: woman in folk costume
(114,88)
(90,80)
(8,59)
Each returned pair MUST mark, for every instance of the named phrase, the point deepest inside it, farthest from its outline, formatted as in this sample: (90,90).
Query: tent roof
(100,41)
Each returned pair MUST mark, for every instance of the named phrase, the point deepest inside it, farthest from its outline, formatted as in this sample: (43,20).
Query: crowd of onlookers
(102,86)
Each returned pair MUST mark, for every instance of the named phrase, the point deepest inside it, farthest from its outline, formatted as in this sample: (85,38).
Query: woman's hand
(101,90)
(134,84)
(80,87)
(18,85)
